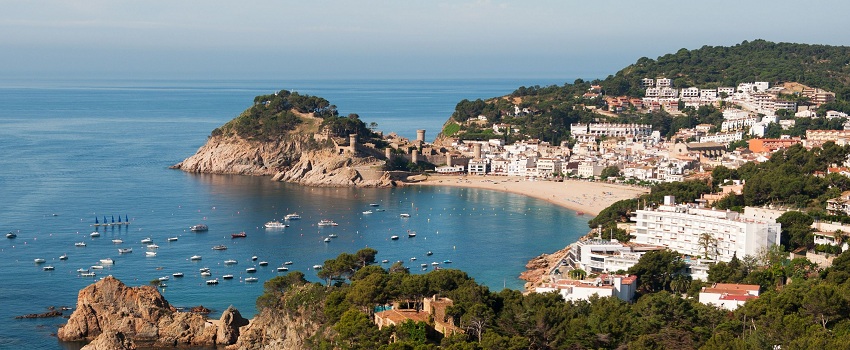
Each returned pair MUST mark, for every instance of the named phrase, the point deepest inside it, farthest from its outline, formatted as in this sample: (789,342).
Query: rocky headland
(111,315)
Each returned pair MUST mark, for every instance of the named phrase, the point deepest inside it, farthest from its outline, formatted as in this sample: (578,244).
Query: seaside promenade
(582,196)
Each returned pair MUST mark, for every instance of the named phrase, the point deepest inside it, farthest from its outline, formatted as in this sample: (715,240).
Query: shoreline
(584,197)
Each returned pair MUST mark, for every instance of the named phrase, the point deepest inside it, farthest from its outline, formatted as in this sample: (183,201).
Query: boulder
(111,341)
(229,323)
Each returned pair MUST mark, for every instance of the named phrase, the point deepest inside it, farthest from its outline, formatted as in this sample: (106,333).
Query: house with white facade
(619,286)
(728,296)
(681,228)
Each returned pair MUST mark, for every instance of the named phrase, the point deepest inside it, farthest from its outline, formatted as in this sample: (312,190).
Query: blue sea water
(74,151)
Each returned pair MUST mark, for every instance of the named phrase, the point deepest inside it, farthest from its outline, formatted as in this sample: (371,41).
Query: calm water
(73,151)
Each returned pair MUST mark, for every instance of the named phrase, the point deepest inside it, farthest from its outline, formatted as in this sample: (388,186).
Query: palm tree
(707,241)
(578,274)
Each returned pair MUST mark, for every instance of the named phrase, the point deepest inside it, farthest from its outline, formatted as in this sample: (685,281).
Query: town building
(771,145)
(727,295)
(605,285)
(433,313)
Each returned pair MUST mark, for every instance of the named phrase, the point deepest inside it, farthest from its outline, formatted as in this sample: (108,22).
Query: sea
(77,152)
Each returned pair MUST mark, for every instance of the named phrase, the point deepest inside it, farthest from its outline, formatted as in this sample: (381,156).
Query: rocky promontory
(112,315)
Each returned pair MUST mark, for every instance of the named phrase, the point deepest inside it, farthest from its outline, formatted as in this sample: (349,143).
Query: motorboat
(80,244)
(411,234)
(125,250)
(11,235)
(379,209)
(327,239)
(263,263)
(254,258)
(172,239)
(63,257)
(220,247)
(435,263)
(97,267)
(394,237)
(117,241)
(47,268)
(195,257)
(151,254)
(87,274)
(199,228)
(211,282)
(385,261)
(413,258)
(251,279)
(230,262)
(162,285)
(163,278)
(429,253)
(293,216)
(227,277)
(374,204)
(447,261)
(282,269)
(333,235)
(424,265)
(404,215)
(177,274)
(288,263)
(107,261)
(367,212)
(251,270)
(95,234)
(205,269)
(81,270)
(326,222)
(206,273)
(239,235)
(152,246)
(317,267)
(275,224)
(147,241)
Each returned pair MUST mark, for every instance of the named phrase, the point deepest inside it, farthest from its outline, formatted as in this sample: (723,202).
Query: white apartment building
(518,167)
(679,228)
(738,123)
(589,169)
(478,166)
(449,169)
(548,166)
(668,93)
(728,90)
(499,166)
(726,137)
(652,92)
(647,82)
(610,129)
(663,82)
(691,92)
(708,94)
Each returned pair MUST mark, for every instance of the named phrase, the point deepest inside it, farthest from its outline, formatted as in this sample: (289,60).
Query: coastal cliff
(113,315)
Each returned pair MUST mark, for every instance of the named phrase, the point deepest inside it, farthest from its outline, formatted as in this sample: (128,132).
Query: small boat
(579,213)
(367,212)
(379,209)
(435,263)
(152,246)
(205,269)
(385,261)
(424,265)
(11,235)
(177,274)
(96,223)
(404,215)
(429,253)
(293,216)
(411,233)
(374,204)
(195,257)
(206,273)
(239,235)
(63,257)
(81,270)
(447,261)
(394,237)
(151,254)
(227,277)
(327,239)
(317,267)
(87,274)
(80,244)
(47,268)
(172,239)
(288,263)
(251,279)
(163,278)
(413,258)
(107,261)
(117,241)
(95,234)
(263,263)
(333,235)
(220,247)
(251,270)
(147,241)
(97,267)
(230,262)
(210,282)
(326,222)
(39,260)
(254,258)
(275,224)
(199,228)
(282,269)
(162,285)
(125,250)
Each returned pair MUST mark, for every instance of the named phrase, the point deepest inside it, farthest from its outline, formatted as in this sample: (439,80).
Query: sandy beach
(582,196)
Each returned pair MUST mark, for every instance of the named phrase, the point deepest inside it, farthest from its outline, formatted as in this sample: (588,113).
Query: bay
(74,151)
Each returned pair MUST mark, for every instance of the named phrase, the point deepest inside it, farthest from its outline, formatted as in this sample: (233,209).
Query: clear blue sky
(385,39)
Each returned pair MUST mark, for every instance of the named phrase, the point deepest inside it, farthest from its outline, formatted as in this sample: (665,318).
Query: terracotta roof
(399,316)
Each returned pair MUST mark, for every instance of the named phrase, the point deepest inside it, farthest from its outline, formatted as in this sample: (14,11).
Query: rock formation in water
(139,316)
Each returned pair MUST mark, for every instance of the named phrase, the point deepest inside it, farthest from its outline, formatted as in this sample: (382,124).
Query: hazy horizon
(383,39)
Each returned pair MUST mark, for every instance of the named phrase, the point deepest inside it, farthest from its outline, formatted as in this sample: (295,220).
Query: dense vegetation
(274,116)
(551,109)
(809,313)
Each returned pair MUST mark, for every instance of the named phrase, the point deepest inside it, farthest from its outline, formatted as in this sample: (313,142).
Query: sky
(379,39)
